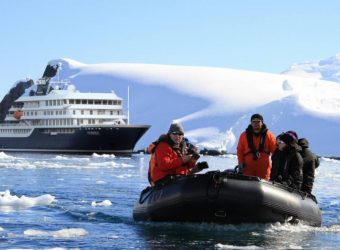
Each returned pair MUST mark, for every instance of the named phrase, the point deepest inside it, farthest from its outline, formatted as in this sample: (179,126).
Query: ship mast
(128,105)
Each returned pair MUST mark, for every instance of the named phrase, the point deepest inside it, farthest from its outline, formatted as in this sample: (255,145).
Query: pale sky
(256,35)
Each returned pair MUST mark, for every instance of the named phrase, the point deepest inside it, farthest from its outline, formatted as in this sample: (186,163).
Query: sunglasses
(256,121)
(279,142)
(177,133)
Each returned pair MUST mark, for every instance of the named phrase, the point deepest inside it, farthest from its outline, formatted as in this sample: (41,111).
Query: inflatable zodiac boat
(225,197)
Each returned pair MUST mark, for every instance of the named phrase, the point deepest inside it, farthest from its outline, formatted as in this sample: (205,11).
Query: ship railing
(13,124)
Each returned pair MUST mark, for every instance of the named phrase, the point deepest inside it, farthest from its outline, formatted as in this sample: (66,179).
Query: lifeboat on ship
(17,114)
(226,198)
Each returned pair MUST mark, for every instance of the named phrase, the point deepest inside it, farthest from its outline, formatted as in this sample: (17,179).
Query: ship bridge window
(117,102)
(90,101)
(71,101)
(65,101)
(58,102)
(46,103)
(77,101)
(109,102)
(97,102)
(54,102)
(91,112)
(105,102)
(83,101)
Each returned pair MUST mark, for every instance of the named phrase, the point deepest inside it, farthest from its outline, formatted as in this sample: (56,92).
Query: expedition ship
(57,118)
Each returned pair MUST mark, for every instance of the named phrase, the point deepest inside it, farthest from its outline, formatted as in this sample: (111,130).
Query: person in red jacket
(254,148)
(171,155)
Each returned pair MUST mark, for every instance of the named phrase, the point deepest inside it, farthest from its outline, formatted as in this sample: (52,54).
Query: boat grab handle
(142,198)
(216,183)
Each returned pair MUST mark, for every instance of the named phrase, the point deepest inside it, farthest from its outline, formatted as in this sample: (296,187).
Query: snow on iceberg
(220,98)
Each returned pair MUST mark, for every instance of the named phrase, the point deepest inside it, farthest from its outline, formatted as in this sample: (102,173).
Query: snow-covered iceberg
(215,104)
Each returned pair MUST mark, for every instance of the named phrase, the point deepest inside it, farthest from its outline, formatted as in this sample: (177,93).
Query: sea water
(50,201)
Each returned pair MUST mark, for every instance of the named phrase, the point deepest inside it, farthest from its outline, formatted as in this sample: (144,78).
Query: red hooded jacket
(167,161)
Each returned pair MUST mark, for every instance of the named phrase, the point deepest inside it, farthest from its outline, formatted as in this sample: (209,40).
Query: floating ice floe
(222,246)
(12,201)
(103,155)
(105,203)
(5,156)
(63,233)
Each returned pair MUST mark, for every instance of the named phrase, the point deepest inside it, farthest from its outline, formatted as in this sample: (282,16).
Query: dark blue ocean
(85,202)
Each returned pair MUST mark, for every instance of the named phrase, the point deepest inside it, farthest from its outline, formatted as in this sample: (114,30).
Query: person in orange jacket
(172,155)
(254,148)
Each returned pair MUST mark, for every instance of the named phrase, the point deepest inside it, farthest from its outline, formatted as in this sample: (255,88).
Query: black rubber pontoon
(225,198)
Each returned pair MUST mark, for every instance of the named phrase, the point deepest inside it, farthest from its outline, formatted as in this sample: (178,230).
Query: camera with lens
(192,150)
(202,165)
(195,156)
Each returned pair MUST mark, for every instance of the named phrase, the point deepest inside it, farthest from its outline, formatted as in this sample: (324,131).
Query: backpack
(304,144)
(152,163)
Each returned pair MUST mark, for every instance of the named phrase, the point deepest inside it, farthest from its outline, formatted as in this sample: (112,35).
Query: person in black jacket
(310,163)
(287,162)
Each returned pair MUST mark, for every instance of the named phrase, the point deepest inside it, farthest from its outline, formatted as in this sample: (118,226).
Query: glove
(202,165)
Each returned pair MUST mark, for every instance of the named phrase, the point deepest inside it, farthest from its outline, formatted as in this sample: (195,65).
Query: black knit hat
(256,116)
(288,138)
(293,133)
(177,128)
